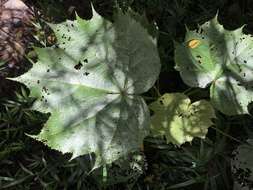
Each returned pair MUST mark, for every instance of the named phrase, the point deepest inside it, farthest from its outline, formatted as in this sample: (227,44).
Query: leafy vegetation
(126,94)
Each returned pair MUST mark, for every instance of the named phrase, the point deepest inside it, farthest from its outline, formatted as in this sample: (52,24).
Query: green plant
(170,157)
(215,56)
(91,83)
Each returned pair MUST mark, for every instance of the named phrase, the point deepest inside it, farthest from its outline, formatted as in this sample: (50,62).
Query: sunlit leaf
(179,120)
(91,83)
(220,58)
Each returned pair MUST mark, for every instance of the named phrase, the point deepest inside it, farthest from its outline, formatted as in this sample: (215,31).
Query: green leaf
(179,120)
(230,96)
(91,83)
(223,59)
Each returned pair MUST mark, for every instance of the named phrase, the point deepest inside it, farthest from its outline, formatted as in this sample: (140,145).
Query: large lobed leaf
(90,83)
(220,58)
(179,120)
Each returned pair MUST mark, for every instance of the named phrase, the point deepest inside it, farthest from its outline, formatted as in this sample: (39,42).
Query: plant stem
(225,134)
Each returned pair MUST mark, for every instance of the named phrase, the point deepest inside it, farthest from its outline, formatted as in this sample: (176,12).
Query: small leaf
(179,120)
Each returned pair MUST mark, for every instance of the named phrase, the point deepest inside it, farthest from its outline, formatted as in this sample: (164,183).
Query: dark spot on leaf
(44,89)
(86,73)
(78,66)
(244,61)
(69,38)
(48,70)
(161,102)
(83,49)
(38,81)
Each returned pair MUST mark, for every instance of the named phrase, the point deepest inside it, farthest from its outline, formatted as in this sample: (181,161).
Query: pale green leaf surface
(198,66)
(90,83)
(222,59)
(179,120)
(230,96)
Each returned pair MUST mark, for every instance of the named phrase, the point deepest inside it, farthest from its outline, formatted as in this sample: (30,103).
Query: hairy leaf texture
(91,83)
